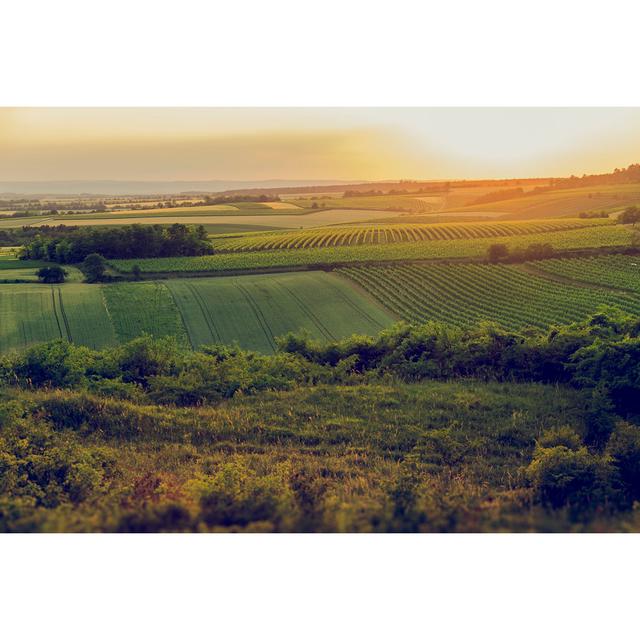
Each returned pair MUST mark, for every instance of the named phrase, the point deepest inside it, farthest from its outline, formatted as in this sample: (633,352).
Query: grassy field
(32,313)
(143,307)
(464,294)
(254,310)
(599,236)
(431,457)
(389,233)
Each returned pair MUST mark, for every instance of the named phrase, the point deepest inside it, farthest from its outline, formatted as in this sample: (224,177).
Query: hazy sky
(313,143)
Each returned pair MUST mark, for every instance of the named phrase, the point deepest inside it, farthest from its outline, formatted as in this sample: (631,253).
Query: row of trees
(630,215)
(132,241)
(501,253)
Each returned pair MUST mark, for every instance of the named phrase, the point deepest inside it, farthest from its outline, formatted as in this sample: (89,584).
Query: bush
(237,496)
(42,469)
(58,364)
(94,267)
(561,477)
(560,437)
(51,275)
(156,519)
(624,451)
(497,253)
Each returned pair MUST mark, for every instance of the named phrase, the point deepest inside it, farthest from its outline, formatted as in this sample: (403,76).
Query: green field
(465,294)
(254,310)
(32,313)
(250,310)
(616,271)
(143,307)
(390,233)
(598,236)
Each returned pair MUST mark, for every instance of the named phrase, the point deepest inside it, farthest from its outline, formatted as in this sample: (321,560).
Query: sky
(313,143)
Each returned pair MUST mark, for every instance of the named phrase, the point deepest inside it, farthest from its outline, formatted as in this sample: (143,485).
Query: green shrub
(237,496)
(156,519)
(561,477)
(42,469)
(560,437)
(58,364)
(623,449)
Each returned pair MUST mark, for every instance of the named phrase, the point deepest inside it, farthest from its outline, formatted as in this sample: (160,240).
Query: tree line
(132,241)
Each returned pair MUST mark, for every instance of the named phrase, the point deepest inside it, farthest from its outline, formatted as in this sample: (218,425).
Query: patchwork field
(250,310)
(390,233)
(588,237)
(296,218)
(464,294)
(563,202)
(384,202)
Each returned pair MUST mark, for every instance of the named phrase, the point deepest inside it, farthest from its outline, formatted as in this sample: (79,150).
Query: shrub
(58,363)
(561,477)
(237,496)
(51,275)
(624,451)
(497,252)
(42,469)
(156,519)
(94,267)
(560,437)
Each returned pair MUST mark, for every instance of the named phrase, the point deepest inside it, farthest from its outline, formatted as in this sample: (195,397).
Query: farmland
(294,218)
(562,202)
(617,271)
(251,310)
(32,313)
(254,310)
(598,236)
(345,235)
(464,294)
(414,204)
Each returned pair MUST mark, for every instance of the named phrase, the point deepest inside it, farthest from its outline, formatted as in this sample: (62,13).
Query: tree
(51,275)
(497,252)
(630,215)
(94,267)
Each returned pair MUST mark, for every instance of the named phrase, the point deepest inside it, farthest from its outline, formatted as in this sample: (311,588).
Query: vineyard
(390,233)
(618,271)
(464,294)
(586,237)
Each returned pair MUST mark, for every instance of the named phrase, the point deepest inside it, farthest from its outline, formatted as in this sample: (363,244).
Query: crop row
(464,294)
(390,233)
(618,271)
(603,236)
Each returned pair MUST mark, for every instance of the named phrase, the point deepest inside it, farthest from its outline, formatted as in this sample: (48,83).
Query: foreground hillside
(420,429)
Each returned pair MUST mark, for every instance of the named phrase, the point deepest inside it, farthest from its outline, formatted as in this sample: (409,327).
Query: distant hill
(140,187)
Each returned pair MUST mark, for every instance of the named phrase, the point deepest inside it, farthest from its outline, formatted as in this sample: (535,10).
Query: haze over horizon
(310,145)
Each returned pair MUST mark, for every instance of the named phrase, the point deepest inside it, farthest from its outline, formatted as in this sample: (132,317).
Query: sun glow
(313,143)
